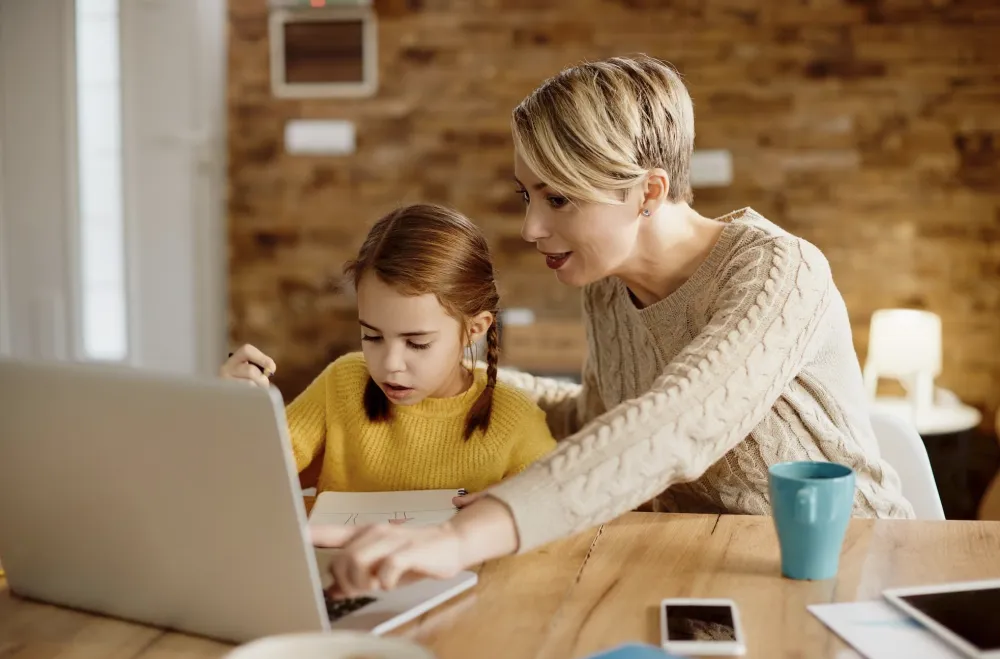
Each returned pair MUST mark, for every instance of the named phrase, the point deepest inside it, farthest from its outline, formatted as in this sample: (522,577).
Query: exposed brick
(869,127)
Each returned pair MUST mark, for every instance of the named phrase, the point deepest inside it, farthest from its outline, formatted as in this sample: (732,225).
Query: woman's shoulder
(749,235)
(759,257)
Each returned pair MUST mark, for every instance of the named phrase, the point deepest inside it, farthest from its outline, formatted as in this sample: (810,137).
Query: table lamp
(905,344)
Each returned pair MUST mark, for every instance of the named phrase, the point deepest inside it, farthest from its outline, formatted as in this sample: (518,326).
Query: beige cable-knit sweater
(749,363)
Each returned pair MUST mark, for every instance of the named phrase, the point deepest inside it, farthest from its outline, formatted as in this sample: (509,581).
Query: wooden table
(598,589)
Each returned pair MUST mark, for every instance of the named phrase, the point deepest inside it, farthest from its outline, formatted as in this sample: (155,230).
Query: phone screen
(972,614)
(700,622)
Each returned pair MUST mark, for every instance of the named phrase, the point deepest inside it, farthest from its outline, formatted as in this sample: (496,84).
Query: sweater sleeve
(762,329)
(567,405)
(307,421)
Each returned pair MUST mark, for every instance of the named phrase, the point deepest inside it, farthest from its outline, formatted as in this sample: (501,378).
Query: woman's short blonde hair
(598,128)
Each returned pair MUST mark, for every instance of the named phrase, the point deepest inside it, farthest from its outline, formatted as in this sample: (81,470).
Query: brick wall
(870,127)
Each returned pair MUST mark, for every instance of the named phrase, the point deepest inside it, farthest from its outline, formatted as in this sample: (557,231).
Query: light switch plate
(711,168)
(332,137)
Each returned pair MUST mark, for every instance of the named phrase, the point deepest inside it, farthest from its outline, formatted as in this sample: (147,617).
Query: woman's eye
(418,346)
(372,339)
(556,201)
(524,195)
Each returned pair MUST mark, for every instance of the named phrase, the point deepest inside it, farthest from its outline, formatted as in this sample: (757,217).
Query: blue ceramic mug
(811,503)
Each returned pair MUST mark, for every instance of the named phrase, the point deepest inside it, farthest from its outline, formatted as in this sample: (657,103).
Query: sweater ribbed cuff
(539,518)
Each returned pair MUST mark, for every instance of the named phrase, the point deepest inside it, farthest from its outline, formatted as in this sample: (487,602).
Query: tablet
(965,614)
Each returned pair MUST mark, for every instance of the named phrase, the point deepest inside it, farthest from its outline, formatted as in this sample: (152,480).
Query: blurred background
(179,176)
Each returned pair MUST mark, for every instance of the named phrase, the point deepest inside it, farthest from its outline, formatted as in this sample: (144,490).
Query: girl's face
(412,346)
(582,242)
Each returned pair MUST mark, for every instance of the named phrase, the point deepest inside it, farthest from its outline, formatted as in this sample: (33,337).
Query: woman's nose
(534,227)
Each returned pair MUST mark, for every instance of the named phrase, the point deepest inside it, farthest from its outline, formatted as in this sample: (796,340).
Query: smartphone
(708,627)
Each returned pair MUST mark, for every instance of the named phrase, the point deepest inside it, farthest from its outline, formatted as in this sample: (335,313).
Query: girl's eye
(418,346)
(524,194)
(372,339)
(556,201)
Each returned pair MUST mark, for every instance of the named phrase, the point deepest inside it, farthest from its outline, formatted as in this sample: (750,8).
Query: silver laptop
(167,500)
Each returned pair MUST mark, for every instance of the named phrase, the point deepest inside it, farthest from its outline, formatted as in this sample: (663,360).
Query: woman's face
(583,242)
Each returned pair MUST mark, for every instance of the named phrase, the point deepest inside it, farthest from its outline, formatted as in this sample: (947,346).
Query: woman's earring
(645,211)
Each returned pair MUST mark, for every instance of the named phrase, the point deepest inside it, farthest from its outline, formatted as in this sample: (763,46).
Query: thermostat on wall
(323,48)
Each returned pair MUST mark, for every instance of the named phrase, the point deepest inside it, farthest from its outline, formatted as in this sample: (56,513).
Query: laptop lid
(163,499)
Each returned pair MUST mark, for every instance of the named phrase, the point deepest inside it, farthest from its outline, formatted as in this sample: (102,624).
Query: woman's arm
(567,405)
(706,401)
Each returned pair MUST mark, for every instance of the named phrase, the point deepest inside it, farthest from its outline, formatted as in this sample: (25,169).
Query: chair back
(902,447)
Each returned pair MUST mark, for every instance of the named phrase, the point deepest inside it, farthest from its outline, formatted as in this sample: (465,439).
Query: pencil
(259,367)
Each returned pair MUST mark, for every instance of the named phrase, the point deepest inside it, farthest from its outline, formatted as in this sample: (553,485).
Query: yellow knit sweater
(422,447)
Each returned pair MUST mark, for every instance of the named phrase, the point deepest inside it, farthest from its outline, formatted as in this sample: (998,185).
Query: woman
(717,347)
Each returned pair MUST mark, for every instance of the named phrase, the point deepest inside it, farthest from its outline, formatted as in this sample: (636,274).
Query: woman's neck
(669,248)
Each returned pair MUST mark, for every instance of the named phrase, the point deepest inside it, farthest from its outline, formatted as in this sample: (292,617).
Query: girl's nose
(394,359)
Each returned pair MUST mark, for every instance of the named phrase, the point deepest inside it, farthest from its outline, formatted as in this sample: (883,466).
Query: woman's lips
(556,261)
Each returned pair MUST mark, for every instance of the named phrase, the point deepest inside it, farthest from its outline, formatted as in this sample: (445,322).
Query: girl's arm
(307,421)
(306,415)
(316,419)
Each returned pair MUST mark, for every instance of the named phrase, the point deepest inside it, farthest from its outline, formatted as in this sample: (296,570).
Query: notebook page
(415,507)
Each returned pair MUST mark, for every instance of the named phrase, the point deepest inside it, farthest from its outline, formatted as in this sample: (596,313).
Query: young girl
(407,413)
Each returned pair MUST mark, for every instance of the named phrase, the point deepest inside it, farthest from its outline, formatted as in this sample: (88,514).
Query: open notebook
(415,507)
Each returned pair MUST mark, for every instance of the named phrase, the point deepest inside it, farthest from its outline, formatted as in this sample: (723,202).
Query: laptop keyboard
(338,608)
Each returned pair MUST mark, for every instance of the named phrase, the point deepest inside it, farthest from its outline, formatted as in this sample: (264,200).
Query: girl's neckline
(457,405)
(702,274)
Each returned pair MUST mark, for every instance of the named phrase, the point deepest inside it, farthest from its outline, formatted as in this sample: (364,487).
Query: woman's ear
(656,191)
(478,325)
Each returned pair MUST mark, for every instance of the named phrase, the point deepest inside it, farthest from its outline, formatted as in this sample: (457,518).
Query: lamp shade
(904,342)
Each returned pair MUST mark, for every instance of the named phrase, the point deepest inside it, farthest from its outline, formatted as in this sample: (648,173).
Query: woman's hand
(385,556)
(249,365)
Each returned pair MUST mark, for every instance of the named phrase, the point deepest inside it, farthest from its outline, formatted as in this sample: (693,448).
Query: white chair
(903,449)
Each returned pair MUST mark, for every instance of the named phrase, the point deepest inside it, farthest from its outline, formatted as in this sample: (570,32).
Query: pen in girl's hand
(259,367)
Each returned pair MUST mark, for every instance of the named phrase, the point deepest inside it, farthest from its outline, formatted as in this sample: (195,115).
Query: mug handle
(805,505)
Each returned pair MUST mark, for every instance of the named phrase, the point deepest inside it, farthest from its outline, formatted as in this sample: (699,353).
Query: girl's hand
(249,365)
(385,556)
(467,500)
